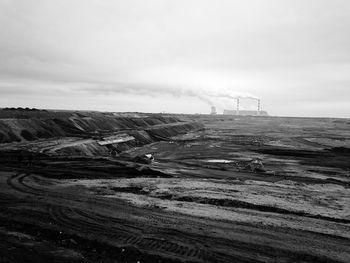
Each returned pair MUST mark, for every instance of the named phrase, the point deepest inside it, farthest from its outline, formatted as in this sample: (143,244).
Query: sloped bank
(141,138)
(30,127)
(81,133)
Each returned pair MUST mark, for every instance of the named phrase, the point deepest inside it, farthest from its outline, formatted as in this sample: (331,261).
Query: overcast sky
(176,55)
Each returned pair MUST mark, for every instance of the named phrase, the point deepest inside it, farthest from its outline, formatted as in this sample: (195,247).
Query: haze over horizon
(176,56)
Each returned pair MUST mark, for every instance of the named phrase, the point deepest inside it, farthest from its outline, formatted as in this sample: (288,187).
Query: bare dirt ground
(197,202)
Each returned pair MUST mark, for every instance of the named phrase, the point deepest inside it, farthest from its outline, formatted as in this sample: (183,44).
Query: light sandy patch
(323,199)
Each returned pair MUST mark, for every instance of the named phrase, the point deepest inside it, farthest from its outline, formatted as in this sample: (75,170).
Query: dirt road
(82,215)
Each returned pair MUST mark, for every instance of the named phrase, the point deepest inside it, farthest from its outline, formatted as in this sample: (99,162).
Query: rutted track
(72,213)
(121,233)
(84,222)
(88,223)
(148,241)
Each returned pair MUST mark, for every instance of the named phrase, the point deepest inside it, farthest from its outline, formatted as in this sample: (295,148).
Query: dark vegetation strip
(337,157)
(263,208)
(294,152)
(229,203)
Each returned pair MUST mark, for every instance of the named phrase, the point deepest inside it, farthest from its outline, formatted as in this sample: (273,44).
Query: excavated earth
(67,197)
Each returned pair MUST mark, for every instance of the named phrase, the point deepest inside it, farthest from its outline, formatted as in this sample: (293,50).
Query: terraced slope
(76,133)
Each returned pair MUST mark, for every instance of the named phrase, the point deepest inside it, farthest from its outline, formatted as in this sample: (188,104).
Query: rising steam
(220,99)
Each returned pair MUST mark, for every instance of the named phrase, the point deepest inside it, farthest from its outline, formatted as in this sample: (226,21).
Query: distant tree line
(21,109)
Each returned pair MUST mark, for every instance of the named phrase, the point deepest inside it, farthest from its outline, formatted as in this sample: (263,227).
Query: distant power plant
(213,110)
(238,111)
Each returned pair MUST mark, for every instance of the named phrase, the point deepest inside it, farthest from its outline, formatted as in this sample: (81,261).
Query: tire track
(86,222)
(16,182)
(83,222)
(149,242)
(119,230)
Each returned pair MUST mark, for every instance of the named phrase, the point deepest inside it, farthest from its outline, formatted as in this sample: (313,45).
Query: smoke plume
(220,99)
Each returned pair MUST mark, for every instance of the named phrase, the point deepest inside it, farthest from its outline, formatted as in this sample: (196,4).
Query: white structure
(116,139)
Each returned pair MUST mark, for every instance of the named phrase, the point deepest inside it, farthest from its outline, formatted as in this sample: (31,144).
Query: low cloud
(292,53)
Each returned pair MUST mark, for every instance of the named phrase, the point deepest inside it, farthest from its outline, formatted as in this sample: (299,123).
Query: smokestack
(258,112)
(237,110)
(213,110)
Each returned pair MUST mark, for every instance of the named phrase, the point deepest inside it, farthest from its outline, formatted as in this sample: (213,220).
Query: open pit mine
(132,187)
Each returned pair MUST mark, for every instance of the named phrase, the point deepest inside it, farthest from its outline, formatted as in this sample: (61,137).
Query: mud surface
(198,201)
